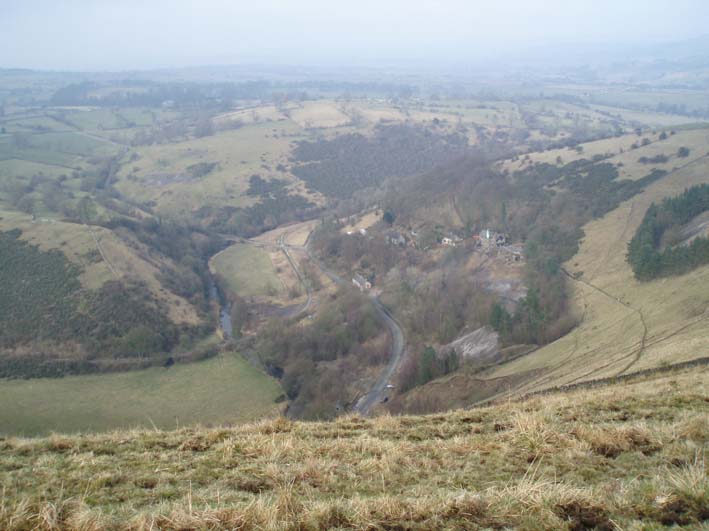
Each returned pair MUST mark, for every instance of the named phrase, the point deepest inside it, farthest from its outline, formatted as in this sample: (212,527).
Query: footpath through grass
(629,456)
(221,390)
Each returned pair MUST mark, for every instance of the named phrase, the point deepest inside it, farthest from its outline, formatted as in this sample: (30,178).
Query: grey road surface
(378,391)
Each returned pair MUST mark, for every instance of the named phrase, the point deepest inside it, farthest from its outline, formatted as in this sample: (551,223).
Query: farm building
(489,238)
(361,283)
(396,238)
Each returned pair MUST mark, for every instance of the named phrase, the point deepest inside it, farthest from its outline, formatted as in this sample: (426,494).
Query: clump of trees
(276,206)
(346,164)
(317,358)
(543,205)
(425,365)
(657,159)
(263,188)
(436,307)
(645,255)
(371,254)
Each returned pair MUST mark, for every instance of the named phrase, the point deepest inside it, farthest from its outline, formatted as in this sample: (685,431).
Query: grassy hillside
(76,297)
(621,457)
(225,389)
(165,173)
(625,325)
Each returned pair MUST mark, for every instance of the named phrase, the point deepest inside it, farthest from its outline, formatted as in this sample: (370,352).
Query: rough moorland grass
(226,389)
(247,271)
(624,457)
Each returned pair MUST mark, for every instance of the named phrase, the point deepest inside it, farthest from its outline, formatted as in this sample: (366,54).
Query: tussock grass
(629,456)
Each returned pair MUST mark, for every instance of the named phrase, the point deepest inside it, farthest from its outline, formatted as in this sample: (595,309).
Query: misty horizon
(100,36)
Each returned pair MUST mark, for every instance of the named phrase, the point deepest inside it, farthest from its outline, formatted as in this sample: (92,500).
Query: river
(224,313)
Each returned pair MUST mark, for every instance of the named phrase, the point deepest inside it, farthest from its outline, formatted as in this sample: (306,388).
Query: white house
(396,238)
(361,283)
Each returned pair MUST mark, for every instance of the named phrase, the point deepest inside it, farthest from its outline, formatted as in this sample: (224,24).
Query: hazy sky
(137,34)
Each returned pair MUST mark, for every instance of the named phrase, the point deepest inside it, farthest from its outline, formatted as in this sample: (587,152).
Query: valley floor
(627,456)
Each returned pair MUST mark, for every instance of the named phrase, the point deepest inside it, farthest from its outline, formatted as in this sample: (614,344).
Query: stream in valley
(224,308)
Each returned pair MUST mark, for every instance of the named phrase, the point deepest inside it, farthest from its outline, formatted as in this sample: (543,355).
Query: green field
(30,124)
(73,143)
(226,389)
(40,155)
(25,169)
(247,270)
(96,119)
(66,150)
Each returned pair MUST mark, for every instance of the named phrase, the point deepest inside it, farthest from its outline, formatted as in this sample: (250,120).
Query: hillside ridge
(622,456)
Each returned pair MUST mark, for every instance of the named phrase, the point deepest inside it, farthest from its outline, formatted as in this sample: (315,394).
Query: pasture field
(73,144)
(696,140)
(10,151)
(623,97)
(16,168)
(97,120)
(620,151)
(373,112)
(222,390)
(648,118)
(247,270)
(595,115)
(54,153)
(251,115)
(34,123)
(625,325)
(319,114)
(92,119)
(161,173)
(451,114)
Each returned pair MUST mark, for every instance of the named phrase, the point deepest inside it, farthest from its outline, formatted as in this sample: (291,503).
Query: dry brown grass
(624,457)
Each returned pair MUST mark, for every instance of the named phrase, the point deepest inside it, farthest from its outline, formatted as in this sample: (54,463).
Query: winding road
(377,392)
